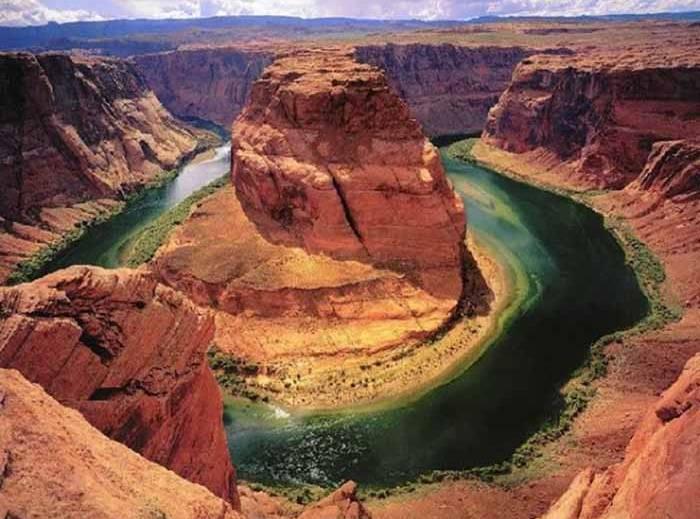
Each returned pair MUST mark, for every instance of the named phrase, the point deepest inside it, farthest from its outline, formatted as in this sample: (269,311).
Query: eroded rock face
(672,169)
(75,129)
(76,135)
(129,354)
(54,464)
(211,84)
(660,475)
(341,504)
(449,89)
(598,118)
(328,157)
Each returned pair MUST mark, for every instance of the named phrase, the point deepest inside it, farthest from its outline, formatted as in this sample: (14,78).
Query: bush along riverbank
(149,240)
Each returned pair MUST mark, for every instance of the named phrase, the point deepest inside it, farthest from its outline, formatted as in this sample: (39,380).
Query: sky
(39,12)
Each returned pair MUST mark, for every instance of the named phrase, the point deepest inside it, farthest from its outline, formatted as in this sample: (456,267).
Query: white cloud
(33,12)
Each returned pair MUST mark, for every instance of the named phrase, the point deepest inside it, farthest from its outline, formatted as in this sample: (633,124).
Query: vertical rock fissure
(349,218)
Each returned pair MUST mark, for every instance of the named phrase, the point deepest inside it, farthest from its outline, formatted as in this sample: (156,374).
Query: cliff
(209,83)
(54,464)
(449,88)
(129,354)
(596,118)
(327,157)
(660,475)
(76,134)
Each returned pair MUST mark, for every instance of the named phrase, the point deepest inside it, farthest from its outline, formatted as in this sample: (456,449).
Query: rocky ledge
(660,474)
(76,133)
(129,354)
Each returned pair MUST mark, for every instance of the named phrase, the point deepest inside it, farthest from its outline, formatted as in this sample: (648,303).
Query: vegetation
(155,234)
(302,494)
(231,373)
(35,266)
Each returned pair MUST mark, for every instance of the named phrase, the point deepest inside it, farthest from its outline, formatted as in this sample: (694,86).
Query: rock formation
(54,464)
(129,354)
(660,475)
(75,134)
(341,504)
(672,170)
(449,89)
(208,83)
(327,157)
(597,116)
(340,246)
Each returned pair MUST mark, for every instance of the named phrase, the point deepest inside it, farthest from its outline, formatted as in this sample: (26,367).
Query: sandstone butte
(55,465)
(77,134)
(341,238)
(129,354)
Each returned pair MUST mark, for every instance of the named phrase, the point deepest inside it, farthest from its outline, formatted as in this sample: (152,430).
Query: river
(573,287)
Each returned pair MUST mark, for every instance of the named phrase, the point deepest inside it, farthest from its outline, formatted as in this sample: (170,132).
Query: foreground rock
(327,157)
(660,475)
(341,504)
(129,354)
(449,88)
(593,119)
(54,464)
(76,134)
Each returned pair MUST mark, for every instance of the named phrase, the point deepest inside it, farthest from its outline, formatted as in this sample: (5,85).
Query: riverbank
(35,249)
(377,354)
(625,372)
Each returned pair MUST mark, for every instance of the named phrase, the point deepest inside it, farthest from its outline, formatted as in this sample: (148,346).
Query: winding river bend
(573,287)
(571,284)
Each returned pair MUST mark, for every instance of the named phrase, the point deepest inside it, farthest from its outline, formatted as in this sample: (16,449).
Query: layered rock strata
(328,158)
(449,88)
(129,354)
(76,134)
(208,83)
(595,119)
(54,464)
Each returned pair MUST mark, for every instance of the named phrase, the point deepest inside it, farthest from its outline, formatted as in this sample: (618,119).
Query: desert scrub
(35,266)
(231,373)
(156,233)
(301,495)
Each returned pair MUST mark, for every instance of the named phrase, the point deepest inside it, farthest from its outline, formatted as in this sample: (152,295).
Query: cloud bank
(36,12)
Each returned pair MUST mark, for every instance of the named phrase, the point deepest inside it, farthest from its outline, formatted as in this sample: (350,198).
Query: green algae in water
(576,288)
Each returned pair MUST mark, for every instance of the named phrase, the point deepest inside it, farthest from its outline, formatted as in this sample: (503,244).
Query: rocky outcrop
(449,89)
(599,117)
(672,170)
(209,83)
(129,354)
(329,158)
(76,135)
(341,504)
(54,464)
(660,475)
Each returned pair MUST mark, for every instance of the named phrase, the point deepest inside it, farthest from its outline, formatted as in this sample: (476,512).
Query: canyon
(302,278)
(79,134)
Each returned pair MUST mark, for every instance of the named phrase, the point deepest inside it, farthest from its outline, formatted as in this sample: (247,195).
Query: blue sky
(34,12)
